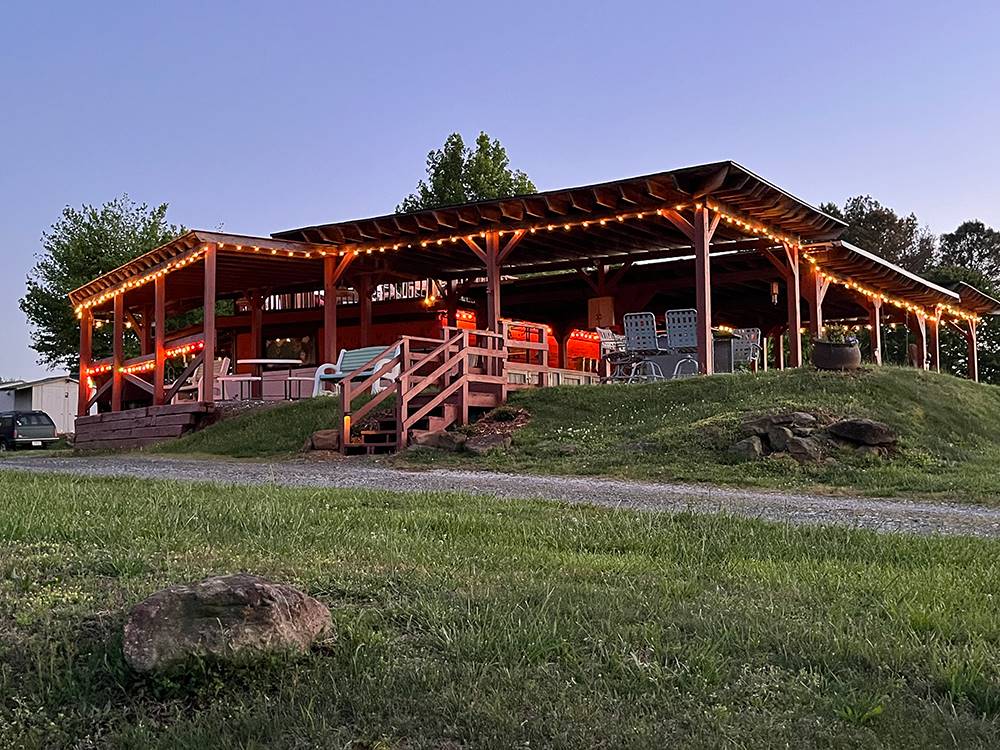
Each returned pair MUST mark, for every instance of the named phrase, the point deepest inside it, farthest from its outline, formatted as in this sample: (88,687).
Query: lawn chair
(613,352)
(192,391)
(746,347)
(641,343)
(349,361)
(682,338)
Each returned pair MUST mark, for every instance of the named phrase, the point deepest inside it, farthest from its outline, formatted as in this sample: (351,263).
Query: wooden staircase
(440,383)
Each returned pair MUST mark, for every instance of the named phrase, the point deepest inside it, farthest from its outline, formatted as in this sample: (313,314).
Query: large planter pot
(827,355)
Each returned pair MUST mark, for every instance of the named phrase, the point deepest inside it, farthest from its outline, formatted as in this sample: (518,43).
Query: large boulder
(778,437)
(863,432)
(221,617)
(482,444)
(803,449)
(325,440)
(791,420)
(748,449)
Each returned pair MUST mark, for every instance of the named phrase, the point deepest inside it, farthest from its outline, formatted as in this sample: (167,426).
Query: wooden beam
(474,247)
(183,378)
(510,245)
(970,339)
(934,344)
(875,334)
(364,289)
(493,281)
(138,382)
(160,337)
(86,354)
(208,303)
(117,357)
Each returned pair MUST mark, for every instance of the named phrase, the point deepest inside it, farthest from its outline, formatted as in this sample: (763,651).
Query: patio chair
(349,361)
(641,343)
(746,347)
(613,352)
(682,338)
(192,390)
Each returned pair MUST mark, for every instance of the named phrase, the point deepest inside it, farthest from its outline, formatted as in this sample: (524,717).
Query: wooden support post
(86,354)
(794,295)
(875,332)
(365,308)
(208,362)
(330,352)
(451,300)
(117,356)
(703,289)
(764,352)
(814,289)
(145,331)
(918,326)
(160,337)
(779,349)
(933,344)
(256,325)
(493,281)
(970,340)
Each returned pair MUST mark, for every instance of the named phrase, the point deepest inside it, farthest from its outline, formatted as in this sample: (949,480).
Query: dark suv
(26,429)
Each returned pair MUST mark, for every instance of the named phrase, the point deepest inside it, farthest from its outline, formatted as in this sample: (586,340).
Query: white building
(56,396)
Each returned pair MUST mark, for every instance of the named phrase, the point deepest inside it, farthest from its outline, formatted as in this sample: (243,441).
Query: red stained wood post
(970,340)
(330,352)
(159,338)
(934,344)
(779,349)
(918,326)
(814,289)
(451,299)
(365,309)
(794,294)
(208,361)
(256,324)
(875,330)
(86,354)
(117,356)
(703,289)
(493,281)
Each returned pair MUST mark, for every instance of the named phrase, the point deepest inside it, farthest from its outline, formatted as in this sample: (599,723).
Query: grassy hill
(463,622)
(949,431)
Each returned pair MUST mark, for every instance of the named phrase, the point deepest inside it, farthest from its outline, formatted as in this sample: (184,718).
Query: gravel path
(900,516)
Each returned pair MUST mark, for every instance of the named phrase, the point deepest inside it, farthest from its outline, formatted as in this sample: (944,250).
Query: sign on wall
(600,312)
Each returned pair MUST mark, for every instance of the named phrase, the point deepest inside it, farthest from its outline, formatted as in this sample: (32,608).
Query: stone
(863,432)
(761,425)
(778,437)
(482,444)
(325,440)
(804,449)
(748,449)
(801,419)
(441,440)
(873,451)
(222,617)
(803,431)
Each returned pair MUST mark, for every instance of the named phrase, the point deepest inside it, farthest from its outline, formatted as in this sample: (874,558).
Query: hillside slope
(949,431)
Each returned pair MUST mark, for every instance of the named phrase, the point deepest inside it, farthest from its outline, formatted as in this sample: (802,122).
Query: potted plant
(836,350)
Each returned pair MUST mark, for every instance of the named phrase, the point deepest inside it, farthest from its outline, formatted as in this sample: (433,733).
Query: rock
(482,444)
(761,425)
(221,616)
(863,432)
(778,437)
(442,440)
(804,449)
(748,449)
(325,440)
(803,431)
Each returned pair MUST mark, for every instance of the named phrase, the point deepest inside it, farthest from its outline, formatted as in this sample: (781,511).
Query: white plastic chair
(194,387)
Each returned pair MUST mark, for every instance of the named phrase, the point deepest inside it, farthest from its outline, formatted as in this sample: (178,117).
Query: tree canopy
(879,229)
(82,244)
(459,174)
(975,247)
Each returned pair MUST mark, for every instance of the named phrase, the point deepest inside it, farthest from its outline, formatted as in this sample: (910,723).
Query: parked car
(26,429)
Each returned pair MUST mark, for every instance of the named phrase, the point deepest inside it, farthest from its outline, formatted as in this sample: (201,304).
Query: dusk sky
(257,117)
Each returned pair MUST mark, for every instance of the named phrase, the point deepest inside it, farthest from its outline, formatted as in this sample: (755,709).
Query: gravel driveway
(901,516)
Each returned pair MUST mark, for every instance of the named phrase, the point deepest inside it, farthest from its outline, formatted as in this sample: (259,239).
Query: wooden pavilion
(715,237)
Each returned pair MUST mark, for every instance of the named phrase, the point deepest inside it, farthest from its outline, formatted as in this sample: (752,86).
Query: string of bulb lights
(147,365)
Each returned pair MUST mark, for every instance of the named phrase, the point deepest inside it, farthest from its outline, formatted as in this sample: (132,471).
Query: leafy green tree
(975,247)
(880,230)
(459,174)
(82,244)
(954,353)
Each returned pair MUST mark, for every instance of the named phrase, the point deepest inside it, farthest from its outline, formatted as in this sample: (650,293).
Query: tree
(880,230)
(81,245)
(458,174)
(975,247)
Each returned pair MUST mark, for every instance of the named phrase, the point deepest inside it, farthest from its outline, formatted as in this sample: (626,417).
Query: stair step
(379,432)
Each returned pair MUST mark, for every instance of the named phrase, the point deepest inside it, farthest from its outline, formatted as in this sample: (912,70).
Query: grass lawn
(680,430)
(465,622)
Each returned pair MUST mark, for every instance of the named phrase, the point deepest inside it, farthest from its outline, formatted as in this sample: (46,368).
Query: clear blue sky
(260,116)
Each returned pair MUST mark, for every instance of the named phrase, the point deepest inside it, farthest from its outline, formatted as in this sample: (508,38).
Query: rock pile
(807,438)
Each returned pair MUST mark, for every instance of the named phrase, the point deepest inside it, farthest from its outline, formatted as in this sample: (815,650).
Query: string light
(749,227)
(149,364)
(940,309)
